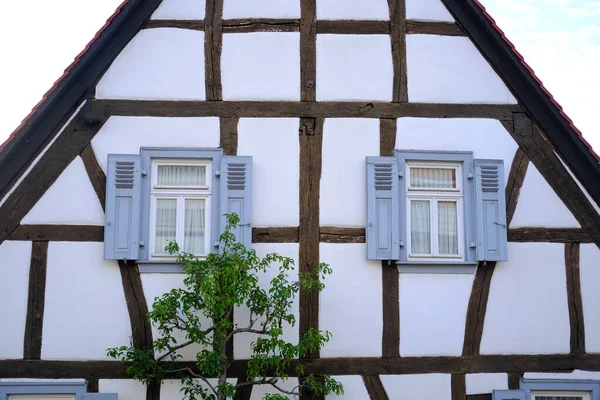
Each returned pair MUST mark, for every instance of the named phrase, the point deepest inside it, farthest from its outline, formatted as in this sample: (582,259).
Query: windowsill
(436,267)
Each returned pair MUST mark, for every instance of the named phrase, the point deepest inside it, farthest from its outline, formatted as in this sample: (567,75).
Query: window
(559,395)
(552,389)
(59,390)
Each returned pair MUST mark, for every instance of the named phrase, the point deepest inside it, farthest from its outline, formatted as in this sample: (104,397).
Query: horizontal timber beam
(278,109)
(549,235)
(59,233)
(433,28)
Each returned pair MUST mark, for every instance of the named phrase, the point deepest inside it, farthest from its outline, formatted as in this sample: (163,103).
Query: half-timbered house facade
(404,142)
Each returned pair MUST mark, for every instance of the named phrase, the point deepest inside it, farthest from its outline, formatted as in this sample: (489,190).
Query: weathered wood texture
(136,305)
(434,28)
(275,235)
(332,234)
(480,396)
(243,393)
(398,37)
(92,385)
(374,387)
(95,173)
(390,338)
(477,307)
(229,135)
(59,233)
(387,136)
(549,235)
(75,137)
(311,143)
(195,25)
(516,176)
(34,321)
(248,25)
(213,44)
(153,390)
(514,379)
(458,387)
(574,298)
(308,50)
(350,27)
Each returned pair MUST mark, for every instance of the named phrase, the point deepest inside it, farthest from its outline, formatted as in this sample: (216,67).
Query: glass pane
(194,226)
(166,223)
(181,175)
(433,178)
(558,398)
(447,227)
(420,227)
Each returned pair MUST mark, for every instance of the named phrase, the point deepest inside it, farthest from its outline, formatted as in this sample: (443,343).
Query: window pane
(447,227)
(166,223)
(558,398)
(194,226)
(433,178)
(181,175)
(420,227)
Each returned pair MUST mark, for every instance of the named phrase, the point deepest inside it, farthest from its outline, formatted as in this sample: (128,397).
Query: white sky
(560,39)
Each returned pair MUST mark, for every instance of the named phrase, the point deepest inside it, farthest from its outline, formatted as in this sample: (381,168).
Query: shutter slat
(490,210)
(383,213)
(236,196)
(123,207)
(509,395)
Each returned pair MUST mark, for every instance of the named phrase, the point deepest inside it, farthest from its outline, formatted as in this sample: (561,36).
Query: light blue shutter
(383,212)
(123,207)
(100,396)
(236,195)
(490,214)
(509,395)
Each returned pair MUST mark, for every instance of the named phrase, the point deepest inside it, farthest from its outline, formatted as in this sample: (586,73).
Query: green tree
(214,287)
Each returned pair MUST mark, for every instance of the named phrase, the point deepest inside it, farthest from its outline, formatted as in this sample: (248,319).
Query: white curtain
(181,175)
(433,178)
(166,223)
(420,227)
(194,227)
(447,227)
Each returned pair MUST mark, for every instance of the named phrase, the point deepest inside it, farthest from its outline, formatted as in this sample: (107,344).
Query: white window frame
(585,395)
(434,196)
(180,193)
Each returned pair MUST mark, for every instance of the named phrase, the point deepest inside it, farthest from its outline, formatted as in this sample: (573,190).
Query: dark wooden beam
(549,235)
(351,27)
(458,387)
(213,44)
(479,396)
(243,393)
(229,135)
(59,233)
(92,385)
(516,176)
(477,308)
(95,173)
(433,28)
(387,136)
(574,298)
(332,234)
(153,390)
(390,338)
(260,25)
(195,25)
(308,50)
(374,387)
(398,37)
(514,380)
(275,235)
(34,321)
(136,305)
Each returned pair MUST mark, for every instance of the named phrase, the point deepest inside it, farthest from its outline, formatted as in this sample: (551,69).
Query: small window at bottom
(559,395)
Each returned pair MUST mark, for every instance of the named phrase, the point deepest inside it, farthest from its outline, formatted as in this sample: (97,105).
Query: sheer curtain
(166,223)
(433,178)
(181,175)
(420,227)
(447,227)
(194,227)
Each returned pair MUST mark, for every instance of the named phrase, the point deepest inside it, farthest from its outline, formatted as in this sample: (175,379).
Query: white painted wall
(276,175)
(350,305)
(70,200)
(590,293)
(485,383)
(14,283)
(261,9)
(458,134)
(346,143)
(427,10)
(242,341)
(538,205)
(433,309)
(161,63)
(127,389)
(261,66)
(450,69)
(85,311)
(354,67)
(125,135)
(180,9)
(528,295)
(354,388)
(417,387)
(259,391)
(353,9)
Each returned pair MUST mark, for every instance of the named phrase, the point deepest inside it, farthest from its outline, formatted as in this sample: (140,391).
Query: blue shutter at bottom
(236,196)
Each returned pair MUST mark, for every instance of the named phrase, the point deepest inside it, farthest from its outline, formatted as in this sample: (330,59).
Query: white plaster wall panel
(354,388)
(427,10)
(417,387)
(590,293)
(261,9)
(346,143)
(527,295)
(261,66)
(180,9)
(160,63)
(354,67)
(592,201)
(243,341)
(350,305)
(155,285)
(15,258)
(353,9)
(259,391)
(466,78)
(85,311)
(433,309)
(275,174)
(576,374)
(125,135)
(171,388)
(458,134)
(485,383)
(127,389)
(70,200)
(538,205)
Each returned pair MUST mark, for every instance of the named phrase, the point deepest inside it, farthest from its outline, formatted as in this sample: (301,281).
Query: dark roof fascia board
(529,92)
(43,124)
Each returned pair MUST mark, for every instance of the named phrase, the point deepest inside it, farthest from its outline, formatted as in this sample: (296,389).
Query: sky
(560,39)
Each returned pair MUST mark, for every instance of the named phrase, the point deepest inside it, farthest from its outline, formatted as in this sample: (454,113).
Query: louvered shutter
(383,213)
(123,207)
(236,195)
(100,396)
(509,395)
(490,213)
